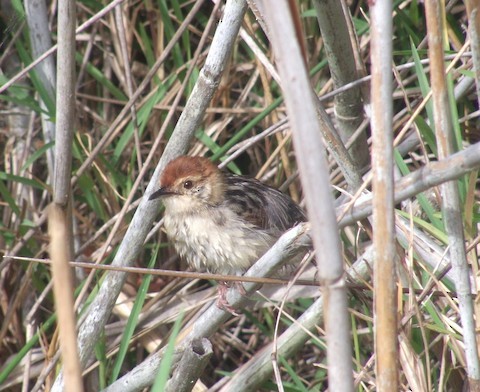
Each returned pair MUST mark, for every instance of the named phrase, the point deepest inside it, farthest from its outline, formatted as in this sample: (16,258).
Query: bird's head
(190,180)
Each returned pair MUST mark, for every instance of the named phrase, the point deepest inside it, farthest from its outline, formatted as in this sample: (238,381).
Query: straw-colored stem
(385,298)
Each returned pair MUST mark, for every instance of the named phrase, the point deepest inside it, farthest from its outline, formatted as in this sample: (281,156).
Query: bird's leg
(239,286)
(222,302)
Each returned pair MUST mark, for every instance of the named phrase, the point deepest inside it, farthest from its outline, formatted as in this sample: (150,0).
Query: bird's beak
(159,193)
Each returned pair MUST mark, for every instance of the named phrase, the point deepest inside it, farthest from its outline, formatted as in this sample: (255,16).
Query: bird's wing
(261,205)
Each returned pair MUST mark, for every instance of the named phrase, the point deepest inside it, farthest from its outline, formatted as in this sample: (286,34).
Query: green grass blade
(164,371)
(143,116)
(422,82)
(22,180)
(101,355)
(427,133)
(101,78)
(133,319)
(169,32)
(292,373)
(7,197)
(37,154)
(26,348)
(422,199)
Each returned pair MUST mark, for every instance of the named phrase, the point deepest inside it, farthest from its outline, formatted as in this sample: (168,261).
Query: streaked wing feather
(263,206)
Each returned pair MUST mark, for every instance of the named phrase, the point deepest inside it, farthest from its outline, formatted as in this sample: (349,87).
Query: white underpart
(213,238)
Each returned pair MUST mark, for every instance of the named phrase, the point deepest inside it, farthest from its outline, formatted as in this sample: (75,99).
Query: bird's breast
(216,239)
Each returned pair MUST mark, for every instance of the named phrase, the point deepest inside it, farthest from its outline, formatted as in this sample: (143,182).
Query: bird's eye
(188,184)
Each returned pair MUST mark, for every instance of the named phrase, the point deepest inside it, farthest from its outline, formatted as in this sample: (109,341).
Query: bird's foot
(222,302)
(240,288)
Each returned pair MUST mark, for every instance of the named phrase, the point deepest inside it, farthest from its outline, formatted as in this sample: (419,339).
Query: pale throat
(179,205)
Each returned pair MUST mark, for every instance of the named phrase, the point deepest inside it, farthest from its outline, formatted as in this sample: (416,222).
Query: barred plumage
(267,208)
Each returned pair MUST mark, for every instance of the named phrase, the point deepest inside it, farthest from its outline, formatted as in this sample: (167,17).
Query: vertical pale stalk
(41,41)
(473,13)
(341,61)
(301,108)
(65,101)
(60,221)
(451,208)
(385,299)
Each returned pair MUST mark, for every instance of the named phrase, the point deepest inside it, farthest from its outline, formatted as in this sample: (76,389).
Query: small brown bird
(221,222)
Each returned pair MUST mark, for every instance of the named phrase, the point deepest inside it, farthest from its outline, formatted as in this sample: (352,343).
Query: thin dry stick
(170,273)
(451,208)
(386,351)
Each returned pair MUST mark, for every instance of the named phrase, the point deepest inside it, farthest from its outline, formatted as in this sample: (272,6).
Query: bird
(219,221)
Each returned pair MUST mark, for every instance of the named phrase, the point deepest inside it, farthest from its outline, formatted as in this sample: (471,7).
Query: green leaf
(403,21)
(428,227)
(467,72)
(143,116)
(423,82)
(100,78)
(27,102)
(310,13)
(7,197)
(164,371)
(133,319)
(22,180)
(37,154)
(18,7)
(242,132)
(422,199)
(170,30)
(214,147)
(147,48)
(101,355)
(428,134)
(46,93)
(293,374)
